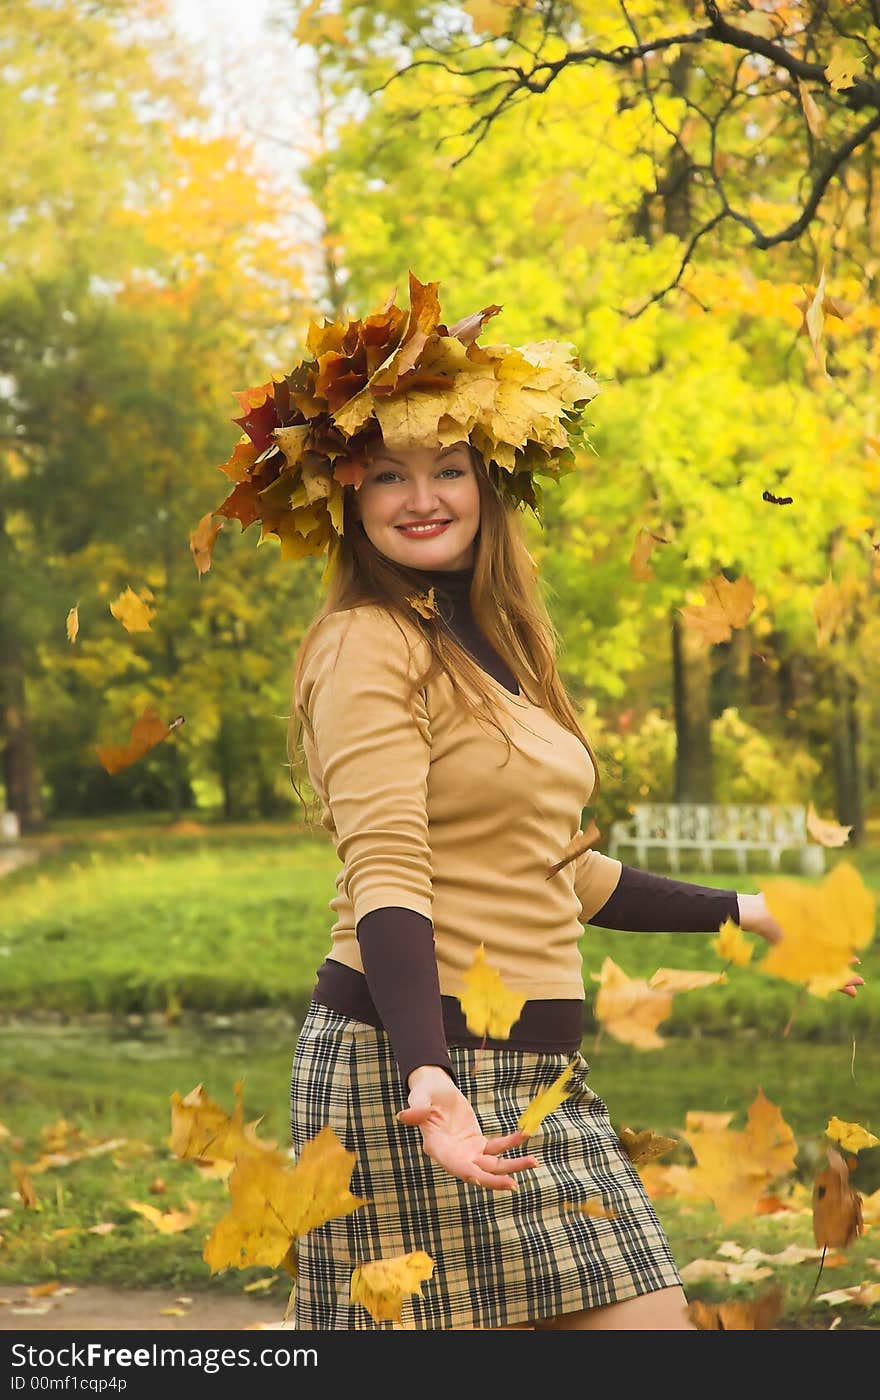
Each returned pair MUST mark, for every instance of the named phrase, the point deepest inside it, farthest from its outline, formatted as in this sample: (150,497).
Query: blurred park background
(690,195)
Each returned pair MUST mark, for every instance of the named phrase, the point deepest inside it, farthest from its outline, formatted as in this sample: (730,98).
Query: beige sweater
(427,814)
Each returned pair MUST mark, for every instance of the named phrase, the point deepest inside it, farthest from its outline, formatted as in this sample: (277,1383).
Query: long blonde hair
(506,603)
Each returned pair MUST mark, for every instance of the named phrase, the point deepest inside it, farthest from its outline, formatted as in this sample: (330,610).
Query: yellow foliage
(546,1101)
(851,1136)
(274,1202)
(380,1286)
(734,1168)
(732,944)
(490,1007)
(824,925)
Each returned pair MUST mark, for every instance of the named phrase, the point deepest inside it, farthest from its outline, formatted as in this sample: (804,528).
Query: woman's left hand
(755,917)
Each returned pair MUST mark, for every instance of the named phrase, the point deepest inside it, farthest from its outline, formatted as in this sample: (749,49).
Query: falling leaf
(147,731)
(157,1187)
(644,1146)
(490,1007)
(837,1207)
(738,1315)
(825,832)
(73,623)
(732,945)
(260,1285)
(864,1295)
(824,926)
(546,1101)
(832,606)
(582,841)
(43,1290)
(169,1222)
(201,1129)
(851,1136)
(684,979)
(274,1202)
(630,1009)
(380,1286)
(727,605)
(133,611)
(813,114)
(592,1208)
(645,543)
(106,1227)
(840,71)
(202,540)
(814,324)
(424,603)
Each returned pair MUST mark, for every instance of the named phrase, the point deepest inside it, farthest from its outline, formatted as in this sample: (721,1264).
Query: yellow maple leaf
(490,1007)
(380,1285)
(733,1169)
(201,1129)
(824,925)
(630,1008)
(840,70)
(546,1101)
(167,1222)
(133,611)
(851,1136)
(202,540)
(727,605)
(593,1208)
(274,1202)
(826,833)
(644,1146)
(732,945)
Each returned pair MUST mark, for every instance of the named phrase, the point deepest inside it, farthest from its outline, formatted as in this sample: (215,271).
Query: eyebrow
(384,456)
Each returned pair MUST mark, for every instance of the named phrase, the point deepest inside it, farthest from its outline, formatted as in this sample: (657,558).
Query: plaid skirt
(499,1256)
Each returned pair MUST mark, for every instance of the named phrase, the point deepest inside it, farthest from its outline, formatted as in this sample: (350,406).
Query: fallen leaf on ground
(725,1270)
(169,1222)
(761,1314)
(865,1295)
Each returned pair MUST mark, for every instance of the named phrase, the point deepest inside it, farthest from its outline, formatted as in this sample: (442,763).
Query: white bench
(674,827)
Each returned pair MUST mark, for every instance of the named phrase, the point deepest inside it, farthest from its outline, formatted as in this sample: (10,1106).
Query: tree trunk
(20,773)
(848,777)
(691,678)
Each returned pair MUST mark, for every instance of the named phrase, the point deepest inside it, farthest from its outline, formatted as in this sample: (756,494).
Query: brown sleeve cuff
(397,951)
(644,902)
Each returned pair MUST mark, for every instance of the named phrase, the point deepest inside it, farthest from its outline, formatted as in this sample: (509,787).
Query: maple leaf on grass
(380,1286)
(734,1168)
(273,1203)
(168,1222)
(738,1315)
(490,1007)
(824,925)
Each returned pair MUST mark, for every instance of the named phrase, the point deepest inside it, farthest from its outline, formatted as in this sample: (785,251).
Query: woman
(450,770)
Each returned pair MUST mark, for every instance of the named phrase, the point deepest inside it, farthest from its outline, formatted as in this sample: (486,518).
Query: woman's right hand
(452,1136)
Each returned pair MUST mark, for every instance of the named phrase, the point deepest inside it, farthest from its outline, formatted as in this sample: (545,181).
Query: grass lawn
(143,960)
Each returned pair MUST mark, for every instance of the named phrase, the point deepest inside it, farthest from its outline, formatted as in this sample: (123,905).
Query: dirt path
(90,1308)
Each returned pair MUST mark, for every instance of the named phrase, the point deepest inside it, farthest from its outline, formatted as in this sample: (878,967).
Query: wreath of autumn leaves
(404,379)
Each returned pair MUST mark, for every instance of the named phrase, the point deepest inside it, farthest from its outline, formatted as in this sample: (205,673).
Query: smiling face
(415,487)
